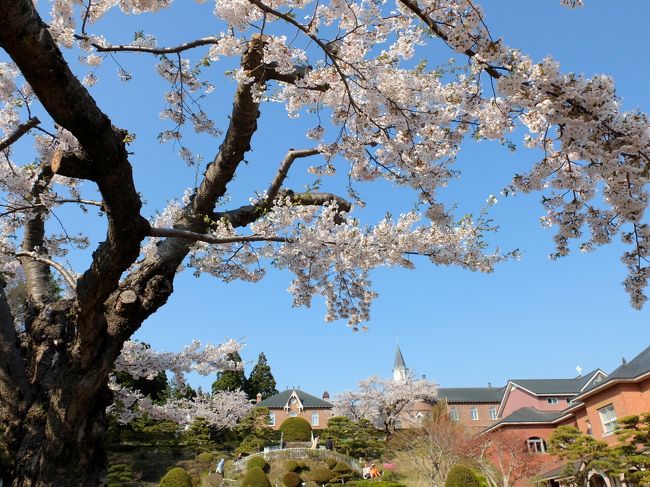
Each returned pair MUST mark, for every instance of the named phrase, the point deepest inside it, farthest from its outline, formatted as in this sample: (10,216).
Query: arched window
(493,413)
(453,414)
(536,445)
(474,414)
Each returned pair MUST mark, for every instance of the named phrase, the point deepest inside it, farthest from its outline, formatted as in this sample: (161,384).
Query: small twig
(21,130)
(205,41)
(67,277)
(281,175)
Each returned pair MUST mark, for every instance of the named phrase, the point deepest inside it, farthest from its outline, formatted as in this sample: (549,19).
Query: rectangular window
(314,419)
(453,414)
(551,400)
(272,419)
(474,414)
(608,418)
(493,413)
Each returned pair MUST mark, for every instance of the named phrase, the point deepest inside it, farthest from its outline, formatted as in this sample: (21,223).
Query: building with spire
(400,371)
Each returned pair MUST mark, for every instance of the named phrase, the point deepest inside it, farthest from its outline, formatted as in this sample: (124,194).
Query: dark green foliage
(155,388)
(634,434)
(118,474)
(292,466)
(257,462)
(296,429)
(176,477)
(321,475)
(356,439)
(569,443)
(254,431)
(255,477)
(204,457)
(291,479)
(462,476)
(331,463)
(231,380)
(342,467)
(261,379)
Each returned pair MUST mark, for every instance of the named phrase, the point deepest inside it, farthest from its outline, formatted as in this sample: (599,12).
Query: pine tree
(231,380)
(261,379)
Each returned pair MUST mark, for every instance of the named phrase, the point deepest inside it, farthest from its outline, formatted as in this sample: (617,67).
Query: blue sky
(531,318)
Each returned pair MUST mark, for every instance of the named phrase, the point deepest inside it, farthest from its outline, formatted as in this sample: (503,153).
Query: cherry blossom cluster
(221,410)
(384,401)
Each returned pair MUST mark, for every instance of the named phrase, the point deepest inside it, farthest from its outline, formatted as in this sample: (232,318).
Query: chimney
(424,377)
(623,361)
(489,385)
(326,395)
(258,398)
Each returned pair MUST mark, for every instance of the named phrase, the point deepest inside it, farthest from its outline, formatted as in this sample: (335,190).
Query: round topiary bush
(257,462)
(291,479)
(342,467)
(321,475)
(331,463)
(462,476)
(176,477)
(204,457)
(292,466)
(296,429)
(255,477)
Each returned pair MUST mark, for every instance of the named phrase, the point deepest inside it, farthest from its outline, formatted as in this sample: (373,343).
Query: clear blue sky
(532,318)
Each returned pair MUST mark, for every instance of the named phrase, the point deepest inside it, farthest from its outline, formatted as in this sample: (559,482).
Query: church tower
(399,369)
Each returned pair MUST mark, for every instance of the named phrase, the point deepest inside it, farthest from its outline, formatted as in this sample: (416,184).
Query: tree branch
(201,237)
(73,164)
(67,276)
(159,50)
(21,130)
(281,175)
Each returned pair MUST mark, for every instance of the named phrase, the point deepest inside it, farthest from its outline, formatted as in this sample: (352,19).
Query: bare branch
(200,237)
(21,130)
(205,41)
(67,276)
(281,175)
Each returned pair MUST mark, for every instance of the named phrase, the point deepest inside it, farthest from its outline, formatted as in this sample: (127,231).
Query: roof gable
(281,400)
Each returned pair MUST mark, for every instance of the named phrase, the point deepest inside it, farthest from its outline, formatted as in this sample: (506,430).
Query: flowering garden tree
(384,402)
(376,113)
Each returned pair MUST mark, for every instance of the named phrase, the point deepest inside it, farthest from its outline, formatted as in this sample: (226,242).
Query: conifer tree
(231,380)
(261,379)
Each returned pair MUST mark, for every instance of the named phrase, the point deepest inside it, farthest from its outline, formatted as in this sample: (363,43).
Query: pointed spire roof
(399,359)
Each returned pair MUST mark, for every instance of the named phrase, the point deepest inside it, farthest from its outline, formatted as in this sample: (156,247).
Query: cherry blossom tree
(384,402)
(376,115)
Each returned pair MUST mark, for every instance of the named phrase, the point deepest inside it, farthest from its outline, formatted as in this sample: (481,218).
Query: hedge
(176,477)
(255,477)
(296,429)
(291,479)
(321,475)
(462,476)
(258,462)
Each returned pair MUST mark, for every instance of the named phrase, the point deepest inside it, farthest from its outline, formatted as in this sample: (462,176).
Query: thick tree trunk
(55,435)
(61,442)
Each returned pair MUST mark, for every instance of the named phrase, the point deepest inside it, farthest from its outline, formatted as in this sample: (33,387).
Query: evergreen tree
(261,379)
(231,380)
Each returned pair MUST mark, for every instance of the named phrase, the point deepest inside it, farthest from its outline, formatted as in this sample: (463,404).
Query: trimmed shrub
(292,466)
(331,463)
(342,468)
(118,474)
(257,462)
(321,475)
(176,477)
(373,483)
(204,457)
(255,477)
(291,479)
(462,476)
(296,429)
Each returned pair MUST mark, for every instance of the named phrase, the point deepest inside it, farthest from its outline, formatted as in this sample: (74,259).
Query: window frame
(552,400)
(453,414)
(609,424)
(473,413)
(536,444)
(271,419)
(493,413)
(317,416)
